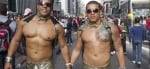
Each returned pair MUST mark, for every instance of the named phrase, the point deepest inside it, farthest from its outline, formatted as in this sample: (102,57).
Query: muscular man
(96,37)
(40,33)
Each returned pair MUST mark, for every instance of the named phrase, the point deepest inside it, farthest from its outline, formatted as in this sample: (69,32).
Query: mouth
(93,17)
(43,10)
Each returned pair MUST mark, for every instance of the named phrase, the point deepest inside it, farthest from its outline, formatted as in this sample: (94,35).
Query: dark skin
(39,35)
(96,52)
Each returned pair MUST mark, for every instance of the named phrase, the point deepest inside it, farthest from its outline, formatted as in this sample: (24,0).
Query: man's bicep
(116,38)
(61,36)
(18,34)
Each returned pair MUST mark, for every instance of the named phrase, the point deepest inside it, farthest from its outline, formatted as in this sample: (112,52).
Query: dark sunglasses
(44,3)
(90,11)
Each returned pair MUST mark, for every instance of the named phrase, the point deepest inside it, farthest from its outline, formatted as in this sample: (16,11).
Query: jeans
(69,38)
(129,33)
(148,34)
(137,50)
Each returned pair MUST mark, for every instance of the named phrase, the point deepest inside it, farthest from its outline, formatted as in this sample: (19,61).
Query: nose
(92,12)
(44,5)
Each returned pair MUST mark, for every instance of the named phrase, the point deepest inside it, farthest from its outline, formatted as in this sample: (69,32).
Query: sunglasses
(92,11)
(44,3)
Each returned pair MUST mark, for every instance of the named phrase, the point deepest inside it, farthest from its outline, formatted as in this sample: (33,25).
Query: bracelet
(69,64)
(8,59)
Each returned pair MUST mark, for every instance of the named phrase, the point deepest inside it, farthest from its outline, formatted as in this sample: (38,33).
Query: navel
(48,38)
(36,52)
(95,55)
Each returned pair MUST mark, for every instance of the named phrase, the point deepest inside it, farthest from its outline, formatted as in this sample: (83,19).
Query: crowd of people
(98,37)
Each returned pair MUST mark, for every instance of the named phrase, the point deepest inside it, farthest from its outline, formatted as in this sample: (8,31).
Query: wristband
(8,59)
(69,64)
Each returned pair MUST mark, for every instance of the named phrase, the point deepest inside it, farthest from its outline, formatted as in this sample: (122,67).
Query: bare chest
(95,34)
(89,34)
(44,30)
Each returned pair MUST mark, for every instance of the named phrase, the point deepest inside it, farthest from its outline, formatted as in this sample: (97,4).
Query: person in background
(64,22)
(27,12)
(148,28)
(137,34)
(128,24)
(123,35)
(3,19)
(69,32)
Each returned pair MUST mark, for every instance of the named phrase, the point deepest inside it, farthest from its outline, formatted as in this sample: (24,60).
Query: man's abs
(38,53)
(96,59)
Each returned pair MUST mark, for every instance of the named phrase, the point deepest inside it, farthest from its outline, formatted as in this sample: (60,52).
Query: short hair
(95,2)
(3,10)
(137,20)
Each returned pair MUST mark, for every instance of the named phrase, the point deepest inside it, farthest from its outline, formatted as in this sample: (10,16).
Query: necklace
(93,25)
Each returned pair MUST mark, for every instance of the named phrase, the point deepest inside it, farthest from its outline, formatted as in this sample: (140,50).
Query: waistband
(43,65)
(86,66)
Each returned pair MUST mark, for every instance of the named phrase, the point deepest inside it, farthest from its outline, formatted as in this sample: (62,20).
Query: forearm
(13,47)
(65,53)
(121,58)
(74,56)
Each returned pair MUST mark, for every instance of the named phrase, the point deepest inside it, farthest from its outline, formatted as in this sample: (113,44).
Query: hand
(18,20)
(8,66)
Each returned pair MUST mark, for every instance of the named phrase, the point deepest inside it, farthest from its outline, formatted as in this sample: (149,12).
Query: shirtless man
(40,34)
(96,38)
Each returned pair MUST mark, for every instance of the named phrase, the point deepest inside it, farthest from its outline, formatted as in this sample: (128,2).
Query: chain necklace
(93,25)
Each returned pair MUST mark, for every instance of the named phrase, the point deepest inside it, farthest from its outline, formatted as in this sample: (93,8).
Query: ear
(86,14)
(101,14)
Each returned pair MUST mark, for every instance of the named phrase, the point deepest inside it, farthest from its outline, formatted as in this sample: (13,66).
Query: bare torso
(96,51)
(39,37)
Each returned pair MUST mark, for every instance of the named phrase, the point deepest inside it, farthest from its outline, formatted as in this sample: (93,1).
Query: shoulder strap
(6,23)
(108,28)
(81,27)
(54,20)
(29,18)
(105,23)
